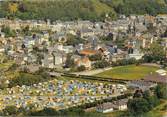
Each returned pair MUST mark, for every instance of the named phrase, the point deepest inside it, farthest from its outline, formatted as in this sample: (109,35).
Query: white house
(105,107)
(136,54)
(110,107)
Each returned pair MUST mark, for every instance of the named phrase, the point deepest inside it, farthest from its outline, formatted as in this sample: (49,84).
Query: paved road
(151,64)
(92,72)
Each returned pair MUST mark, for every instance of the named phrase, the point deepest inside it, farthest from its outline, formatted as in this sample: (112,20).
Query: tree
(138,94)
(26,30)
(101,64)
(95,57)
(109,37)
(81,68)
(73,40)
(161,90)
(69,61)
(13,67)
(151,99)
(146,94)
(39,57)
(8,32)
(10,110)
(22,7)
(138,106)
(154,53)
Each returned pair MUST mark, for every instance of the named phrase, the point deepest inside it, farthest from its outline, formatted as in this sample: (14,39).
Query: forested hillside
(127,7)
(79,9)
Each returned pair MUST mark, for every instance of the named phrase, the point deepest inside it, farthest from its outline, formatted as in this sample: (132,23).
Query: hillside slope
(61,9)
(81,9)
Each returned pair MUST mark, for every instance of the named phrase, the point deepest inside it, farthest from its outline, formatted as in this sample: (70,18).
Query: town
(85,44)
(94,68)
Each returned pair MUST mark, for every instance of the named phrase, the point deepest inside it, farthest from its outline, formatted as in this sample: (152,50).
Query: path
(92,72)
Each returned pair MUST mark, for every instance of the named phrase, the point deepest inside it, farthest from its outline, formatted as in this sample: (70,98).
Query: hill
(127,7)
(60,9)
(80,9)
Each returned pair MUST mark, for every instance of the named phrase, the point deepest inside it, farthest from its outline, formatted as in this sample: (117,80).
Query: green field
(129,72)
(158,111)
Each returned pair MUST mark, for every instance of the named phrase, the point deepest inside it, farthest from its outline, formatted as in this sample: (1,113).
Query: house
(55,59)
(59,36)
(112,106)
(164,43)
(162,18)
(93,40)
(2,50)
(31,58)
(79,47)
(45,34)
(106,107)
(59,58)
(88,52)
(85,32)
(86,23)
(48,61)
(136,54)
(120,55)
(113,49)
(84,61)
(76,57)
(32,68)
(121,104)
(105,53)
(29,42)
(66,49)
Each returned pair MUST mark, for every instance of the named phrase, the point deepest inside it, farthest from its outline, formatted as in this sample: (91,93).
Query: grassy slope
(100,7)
(62,9)
(157,111)
(74,9)
(128,72)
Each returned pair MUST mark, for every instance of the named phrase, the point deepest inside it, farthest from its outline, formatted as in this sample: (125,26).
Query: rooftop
(88,52)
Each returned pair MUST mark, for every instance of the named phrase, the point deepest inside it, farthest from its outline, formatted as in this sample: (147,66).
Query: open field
(129,72)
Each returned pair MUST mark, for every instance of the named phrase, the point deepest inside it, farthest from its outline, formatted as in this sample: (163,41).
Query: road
(151,64)
(92,72)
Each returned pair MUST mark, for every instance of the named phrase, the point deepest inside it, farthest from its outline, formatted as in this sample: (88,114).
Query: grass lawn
(129,72)
(158,111)
(115,114)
